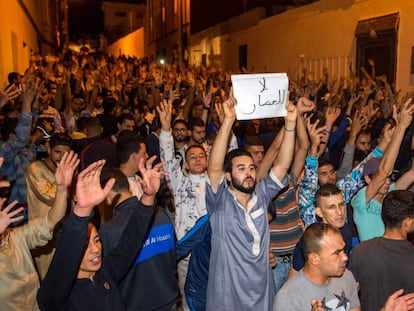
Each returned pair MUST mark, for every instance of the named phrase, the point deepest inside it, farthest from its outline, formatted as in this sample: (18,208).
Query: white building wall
(318,35)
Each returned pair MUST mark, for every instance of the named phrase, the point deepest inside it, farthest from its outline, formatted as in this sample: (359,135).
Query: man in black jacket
(150,283)
(78,278)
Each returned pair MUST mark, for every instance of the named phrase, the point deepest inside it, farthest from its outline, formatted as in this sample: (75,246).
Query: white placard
(261,95)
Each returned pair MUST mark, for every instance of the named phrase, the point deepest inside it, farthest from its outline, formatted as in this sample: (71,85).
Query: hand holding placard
(260,95)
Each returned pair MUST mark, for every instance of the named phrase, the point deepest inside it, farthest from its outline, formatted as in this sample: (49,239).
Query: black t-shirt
(382,266)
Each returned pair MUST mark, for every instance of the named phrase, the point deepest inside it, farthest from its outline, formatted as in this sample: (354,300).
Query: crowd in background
(68,112)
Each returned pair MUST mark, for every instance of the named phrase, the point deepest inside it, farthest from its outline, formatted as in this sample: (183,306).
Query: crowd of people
(131,185)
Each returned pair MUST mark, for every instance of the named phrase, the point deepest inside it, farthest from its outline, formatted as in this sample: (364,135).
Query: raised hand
(30,88)
(219,110)
(292,112)
(388,131)
(331,114)
(6,216)
(305,105)
(207,98)
(352,101)
(359,121)
(315,134)
(9,93)
(228,108)
(405,115)
(151,178)
(66,168)
(165,113)
(371,110)
(89,192)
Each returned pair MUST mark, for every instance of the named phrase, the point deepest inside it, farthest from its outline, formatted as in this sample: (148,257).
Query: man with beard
(41,191)
(180,136)
(74,110)
(197,129)
(238,218)
(47,112)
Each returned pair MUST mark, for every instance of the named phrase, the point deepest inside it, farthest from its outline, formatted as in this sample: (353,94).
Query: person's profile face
(332,256)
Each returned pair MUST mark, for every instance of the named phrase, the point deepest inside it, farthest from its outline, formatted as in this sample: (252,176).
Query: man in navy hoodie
(150,283)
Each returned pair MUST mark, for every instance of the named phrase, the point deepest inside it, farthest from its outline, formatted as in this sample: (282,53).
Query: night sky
(85,18)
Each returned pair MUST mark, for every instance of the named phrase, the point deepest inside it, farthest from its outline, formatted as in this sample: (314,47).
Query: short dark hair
(60,139)
(93,123)
(127,143)
(363,132)
(193,147)
(193,122)
(12,76)
(323,161)
(326,190)
(108,104)
(179,121)
(123,117)
(228,160)
(397,206)
(121,181)
(252,141)
(311,238)
(81,123)
(197,102)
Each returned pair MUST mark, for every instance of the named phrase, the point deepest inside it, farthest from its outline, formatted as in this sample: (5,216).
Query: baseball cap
(371,166)
(46,135)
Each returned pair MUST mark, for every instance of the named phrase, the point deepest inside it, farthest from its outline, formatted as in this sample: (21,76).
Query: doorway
(377,40)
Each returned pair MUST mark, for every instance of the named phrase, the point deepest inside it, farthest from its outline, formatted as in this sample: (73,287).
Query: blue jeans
(280,273)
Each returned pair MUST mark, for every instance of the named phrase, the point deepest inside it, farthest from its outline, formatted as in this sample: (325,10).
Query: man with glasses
(180,137)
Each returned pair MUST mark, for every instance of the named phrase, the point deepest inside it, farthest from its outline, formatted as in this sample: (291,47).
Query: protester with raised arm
(78,279)
(19,279)
(238,217)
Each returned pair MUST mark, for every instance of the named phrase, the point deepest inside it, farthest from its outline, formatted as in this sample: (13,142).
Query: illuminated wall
(318,35)
(130,45)
(19,35)
(15,29)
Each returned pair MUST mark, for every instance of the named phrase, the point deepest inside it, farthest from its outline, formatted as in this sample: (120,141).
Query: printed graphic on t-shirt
(338,303)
